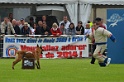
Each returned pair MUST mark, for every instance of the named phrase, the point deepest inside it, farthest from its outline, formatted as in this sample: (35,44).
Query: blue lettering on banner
(84,38)
(77,38)
(69,39)
(10,40)
(80,39)
(61,39)
(31,40)
(40,40)
(50,40)
(20,40)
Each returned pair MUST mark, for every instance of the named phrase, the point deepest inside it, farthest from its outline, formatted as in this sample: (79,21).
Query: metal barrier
(33,36)
(1,46)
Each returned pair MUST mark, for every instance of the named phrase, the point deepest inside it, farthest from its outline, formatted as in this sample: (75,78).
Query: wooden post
(94,13)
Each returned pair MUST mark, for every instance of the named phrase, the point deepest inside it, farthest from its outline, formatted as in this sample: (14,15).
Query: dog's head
(39,49)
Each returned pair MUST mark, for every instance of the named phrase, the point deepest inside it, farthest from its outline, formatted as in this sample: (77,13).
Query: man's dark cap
(98,19)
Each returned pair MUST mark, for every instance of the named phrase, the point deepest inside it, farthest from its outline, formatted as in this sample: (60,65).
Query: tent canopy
(39,1)
(103,2)
(57,8)
(84,8)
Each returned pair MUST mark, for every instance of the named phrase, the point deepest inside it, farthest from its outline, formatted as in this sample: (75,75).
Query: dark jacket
(24,32)
(45,30)
(38,30)
(80,29)
(17,30)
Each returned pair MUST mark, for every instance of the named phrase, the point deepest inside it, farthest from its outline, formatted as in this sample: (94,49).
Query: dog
(29,54)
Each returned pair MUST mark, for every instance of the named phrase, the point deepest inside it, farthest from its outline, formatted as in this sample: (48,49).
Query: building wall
(58,15)
(91,15)
(19,11)
(100,12)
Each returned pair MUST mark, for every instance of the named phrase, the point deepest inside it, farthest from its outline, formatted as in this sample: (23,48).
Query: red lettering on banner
(74,54)
(50,48)
(67,54)
(41,56)
(27,48)
(60,54)
(80,54)
(69,47)
(81,47)
(73,47)
(49,55)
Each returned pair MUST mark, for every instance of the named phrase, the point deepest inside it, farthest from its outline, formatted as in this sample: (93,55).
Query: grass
(62,70)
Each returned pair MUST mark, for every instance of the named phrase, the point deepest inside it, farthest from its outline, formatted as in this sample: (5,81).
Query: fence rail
(1,46)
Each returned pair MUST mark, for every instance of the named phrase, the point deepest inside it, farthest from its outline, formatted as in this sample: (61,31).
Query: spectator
(87,29)
(6,27)
(44,19)
(38,29)
(0,29)
(34,29)
(10,17)
(16,27)
(91,24)
(22,21)
(18,23)
(62,28)
(55,30)
(65,21)
(31,22)
(45,30)
(25,30)
(71,29)
(80,28)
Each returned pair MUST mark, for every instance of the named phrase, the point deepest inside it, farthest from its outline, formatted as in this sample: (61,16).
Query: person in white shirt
(87,29)
(100,35)
(65,21)
(22,21)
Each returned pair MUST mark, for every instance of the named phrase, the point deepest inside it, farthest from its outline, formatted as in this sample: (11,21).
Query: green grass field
(62,70)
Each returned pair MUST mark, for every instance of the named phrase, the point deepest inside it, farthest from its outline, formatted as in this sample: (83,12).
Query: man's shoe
(108,61)
(102,64)
(92,63)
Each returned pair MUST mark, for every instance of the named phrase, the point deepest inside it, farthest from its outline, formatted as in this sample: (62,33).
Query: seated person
(87,29)
(25,29)
(55,30)
(62,28)
(79,28)
(45,30)
(71,30)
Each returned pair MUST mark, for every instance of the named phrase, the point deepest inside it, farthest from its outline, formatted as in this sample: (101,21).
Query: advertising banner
(54,47)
